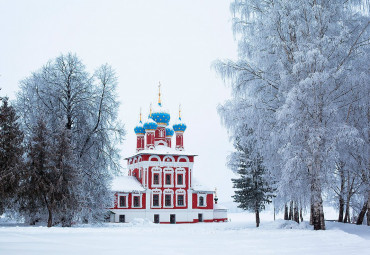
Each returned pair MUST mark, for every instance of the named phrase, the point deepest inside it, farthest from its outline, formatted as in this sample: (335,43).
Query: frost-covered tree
(38,178)
(293,76)
(252,190)
(68,177)
(85,105)
(11,150)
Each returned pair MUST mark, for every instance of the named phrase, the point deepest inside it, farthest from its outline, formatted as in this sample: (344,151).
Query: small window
(156,179)
(180,180)
(122,201)
(167,200)
(180,200)
(136,201)
(156,200)
(201,201)
(156,218)
(168,179)
(122,218)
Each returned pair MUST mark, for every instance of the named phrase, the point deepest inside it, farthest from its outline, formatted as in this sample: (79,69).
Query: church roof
(163,150)
(126,184)
(219,207)
(197,186)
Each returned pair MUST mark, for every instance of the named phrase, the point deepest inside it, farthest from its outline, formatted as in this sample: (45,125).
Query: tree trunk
(341,208)
(286,212)
(50,219)
(318,220)
(346,216)
(361,215)
(318,215)
(341,199)
(257,218)
(291,210)
(296,213)
(311,214)
(301,214)
(368,210)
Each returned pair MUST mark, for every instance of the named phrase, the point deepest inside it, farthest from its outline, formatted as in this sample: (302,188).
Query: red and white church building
(160,185)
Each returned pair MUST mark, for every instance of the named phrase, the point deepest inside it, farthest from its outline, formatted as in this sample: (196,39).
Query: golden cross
(180,111)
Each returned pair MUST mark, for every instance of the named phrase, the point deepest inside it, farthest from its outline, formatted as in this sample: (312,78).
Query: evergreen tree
(36,185)
(252,188)
(11,149)
(67,179)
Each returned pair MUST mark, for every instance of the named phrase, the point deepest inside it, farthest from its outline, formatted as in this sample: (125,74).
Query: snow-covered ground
(142,237)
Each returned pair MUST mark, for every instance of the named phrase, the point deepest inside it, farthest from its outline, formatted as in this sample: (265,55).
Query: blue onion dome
(150,124)
(169,132)
(179,126)
(161,116)
(139,129)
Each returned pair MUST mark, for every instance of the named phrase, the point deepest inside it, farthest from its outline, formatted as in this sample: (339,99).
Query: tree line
(300,111)
(58,144)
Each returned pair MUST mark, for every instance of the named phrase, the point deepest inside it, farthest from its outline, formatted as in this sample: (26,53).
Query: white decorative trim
(140,200)
(167,192)
(204,196)
(167,171)
(155,156)
(183,157)
(159,193)
(161,164)
(182,171)
(157,170)
(161,143)
(169,157)
(183,193)
(118,202)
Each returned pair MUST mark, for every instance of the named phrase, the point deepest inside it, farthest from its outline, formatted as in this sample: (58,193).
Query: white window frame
(180,171)
(170,171)
(204,200)
(118,202)
(157,170)
(140,200)
(159,193)
(167,192)
(183,193)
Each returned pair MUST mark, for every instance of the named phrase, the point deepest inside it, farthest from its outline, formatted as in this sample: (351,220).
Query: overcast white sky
(146,42)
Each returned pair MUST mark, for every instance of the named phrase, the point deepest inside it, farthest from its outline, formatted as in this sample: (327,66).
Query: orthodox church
(160,186)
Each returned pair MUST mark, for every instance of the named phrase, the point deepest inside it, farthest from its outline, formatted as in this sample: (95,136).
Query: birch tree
(295,73)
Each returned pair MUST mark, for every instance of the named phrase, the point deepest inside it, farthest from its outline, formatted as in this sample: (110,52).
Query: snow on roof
(126,184)
(163,150)
(197,186)
(219,207)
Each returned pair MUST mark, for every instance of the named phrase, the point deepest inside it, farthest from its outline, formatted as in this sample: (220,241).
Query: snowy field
(141,237)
